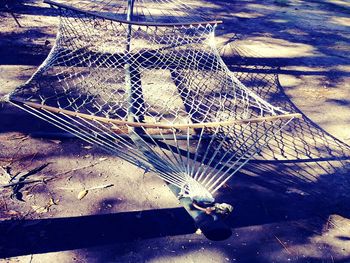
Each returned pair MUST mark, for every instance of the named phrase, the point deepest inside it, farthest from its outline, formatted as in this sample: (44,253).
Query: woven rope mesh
(158,11)
(159,96)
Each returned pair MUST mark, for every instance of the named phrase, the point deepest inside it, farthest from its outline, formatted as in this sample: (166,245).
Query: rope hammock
(143,79)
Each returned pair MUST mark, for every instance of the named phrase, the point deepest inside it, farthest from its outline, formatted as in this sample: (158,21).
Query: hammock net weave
(153,91)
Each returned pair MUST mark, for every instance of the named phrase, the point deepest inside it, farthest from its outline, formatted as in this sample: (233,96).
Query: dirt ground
(292,208)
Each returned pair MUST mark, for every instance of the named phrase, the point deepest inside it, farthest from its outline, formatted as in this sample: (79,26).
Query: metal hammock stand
(149,85)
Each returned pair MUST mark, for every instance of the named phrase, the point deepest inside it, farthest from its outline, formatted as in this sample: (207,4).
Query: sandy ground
(290,209)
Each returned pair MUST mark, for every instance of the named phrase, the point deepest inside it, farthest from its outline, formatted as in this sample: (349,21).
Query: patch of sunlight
(288,81)
(261,6)
(279,20)
(330,242)
(345,68)
(338,20)
(200,4)
(340,48)
(274,47)
(247,15)
(343,3)
(53,257)
(301,251)
(316,12)
(335,232)
(307,69)
(296,32)
(191,253)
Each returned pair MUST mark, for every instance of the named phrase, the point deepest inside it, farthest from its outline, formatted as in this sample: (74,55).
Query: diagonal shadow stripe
(24,237)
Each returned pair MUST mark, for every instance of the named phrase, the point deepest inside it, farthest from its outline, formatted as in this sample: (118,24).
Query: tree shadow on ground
(25,7)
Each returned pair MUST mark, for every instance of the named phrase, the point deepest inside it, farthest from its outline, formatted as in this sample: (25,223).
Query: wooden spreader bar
(158,125)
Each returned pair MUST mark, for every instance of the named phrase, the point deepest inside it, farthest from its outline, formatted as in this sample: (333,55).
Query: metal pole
(132,77)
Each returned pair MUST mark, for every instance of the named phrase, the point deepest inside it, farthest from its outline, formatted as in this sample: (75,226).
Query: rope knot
(217,208)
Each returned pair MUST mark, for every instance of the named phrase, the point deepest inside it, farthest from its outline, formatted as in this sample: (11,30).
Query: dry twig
(283,245)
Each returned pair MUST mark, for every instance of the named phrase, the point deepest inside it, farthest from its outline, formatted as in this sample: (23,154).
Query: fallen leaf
(18,137)
(87,147)
(5,177)
(53,202)
(11,213)
(82,194)
(56,141)
(40,209)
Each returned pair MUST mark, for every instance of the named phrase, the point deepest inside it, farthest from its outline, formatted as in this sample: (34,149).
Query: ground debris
(19,136)
(56,141)
(19,180)
(53,202)
(80,168)
(10,214)
(5,159)
(5,176)
(87,147)
(82,194)
(46,208)
(283,245)
(100,187)
(40,209)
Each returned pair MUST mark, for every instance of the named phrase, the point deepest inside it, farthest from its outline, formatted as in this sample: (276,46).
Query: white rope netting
(153,92)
